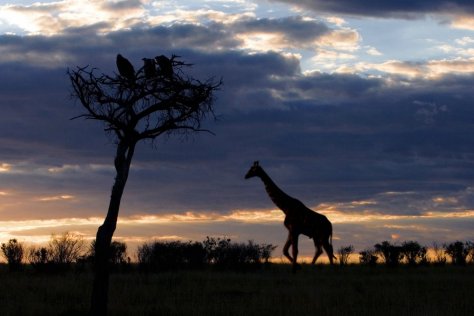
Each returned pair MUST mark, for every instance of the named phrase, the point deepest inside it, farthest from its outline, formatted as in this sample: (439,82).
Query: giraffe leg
(294,240)
(329,251)
(319,251)
(286,248)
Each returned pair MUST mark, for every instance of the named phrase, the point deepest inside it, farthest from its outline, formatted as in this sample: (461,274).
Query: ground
(274,290)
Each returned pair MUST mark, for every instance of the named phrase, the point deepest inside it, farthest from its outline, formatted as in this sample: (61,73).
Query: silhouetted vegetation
(67,250)
(368,257)
(223,253)
(344,254)
(117,254)
(459,252)
(40,259)
(414,253)
(13,251)
(217,252)
(439,257)
(62,252)
(163,256)
(391,254)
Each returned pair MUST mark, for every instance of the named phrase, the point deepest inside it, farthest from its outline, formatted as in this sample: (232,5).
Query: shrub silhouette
(439,254)
(117,254)
(470,247)
(161,256)
(368,257)
(344,254)
(61,253)
(40,258)
(224,254)
(65,249)
(391,254)
(13,251)
(458,251)
(414,252)
(217,252)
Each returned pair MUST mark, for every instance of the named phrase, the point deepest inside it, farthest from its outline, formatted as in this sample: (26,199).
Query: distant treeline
(411,253)
(68,251)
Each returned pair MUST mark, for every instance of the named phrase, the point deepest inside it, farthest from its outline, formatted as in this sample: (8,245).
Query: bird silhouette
(149,68)
(166,65)
(125,68)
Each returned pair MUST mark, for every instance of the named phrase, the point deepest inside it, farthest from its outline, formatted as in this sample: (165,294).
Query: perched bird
(149,68)
(166,66)
(125,68)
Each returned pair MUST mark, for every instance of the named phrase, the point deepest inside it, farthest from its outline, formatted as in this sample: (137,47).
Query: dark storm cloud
(376,8)
(325,138)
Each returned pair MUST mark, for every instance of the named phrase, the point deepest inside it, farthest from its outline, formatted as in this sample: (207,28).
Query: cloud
(268,34)
(429,69)
(373,51)
(465,22)
(55,198)
(399,9)
(53,18)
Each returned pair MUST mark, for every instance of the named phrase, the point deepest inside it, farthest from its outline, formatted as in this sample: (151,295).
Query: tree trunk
(99,299)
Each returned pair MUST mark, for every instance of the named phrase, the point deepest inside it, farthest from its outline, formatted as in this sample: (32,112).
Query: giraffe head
(254,171)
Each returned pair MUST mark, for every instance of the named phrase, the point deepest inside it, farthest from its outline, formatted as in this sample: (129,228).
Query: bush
(221,253)
(65,249)
(13,252)
(439,254)
(414,252)
(458,251)
(368,257)
(39,258)
(344,254)
(160,256)
(391,254)
(470,247)
(117,253)
(266,251)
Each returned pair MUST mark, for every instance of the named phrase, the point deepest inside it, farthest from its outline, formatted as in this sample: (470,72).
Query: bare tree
(135,108)
(65,249)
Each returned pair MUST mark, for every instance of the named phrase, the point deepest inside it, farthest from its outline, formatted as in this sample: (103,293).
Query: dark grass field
(274,290)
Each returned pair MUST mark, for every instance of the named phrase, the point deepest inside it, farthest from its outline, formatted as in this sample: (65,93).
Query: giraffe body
(299,219)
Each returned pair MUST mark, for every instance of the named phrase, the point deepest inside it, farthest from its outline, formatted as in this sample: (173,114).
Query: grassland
(319,290)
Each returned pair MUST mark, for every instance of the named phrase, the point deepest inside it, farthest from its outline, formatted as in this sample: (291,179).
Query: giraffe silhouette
(299,219)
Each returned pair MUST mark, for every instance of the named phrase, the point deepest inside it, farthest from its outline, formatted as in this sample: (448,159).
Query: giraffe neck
(280,198)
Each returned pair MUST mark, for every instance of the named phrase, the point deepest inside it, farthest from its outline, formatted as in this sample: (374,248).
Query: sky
(362,109)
